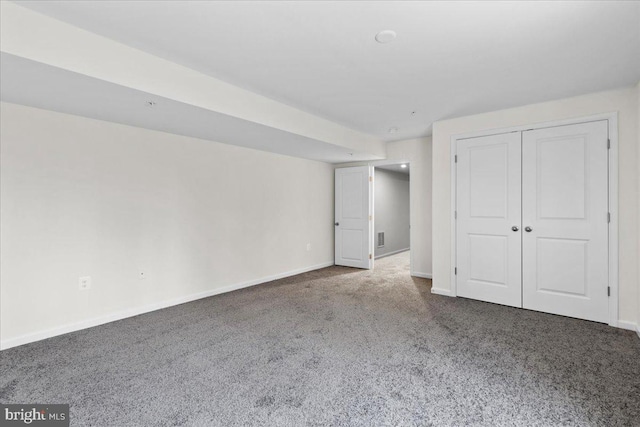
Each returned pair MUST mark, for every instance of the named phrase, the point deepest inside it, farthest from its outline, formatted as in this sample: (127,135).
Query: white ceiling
(449,59)
(396,168)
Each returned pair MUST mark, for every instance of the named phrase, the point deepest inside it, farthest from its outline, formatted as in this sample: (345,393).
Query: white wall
(417,152)
(638,196)
(624,101)
(82,197)
(391,211)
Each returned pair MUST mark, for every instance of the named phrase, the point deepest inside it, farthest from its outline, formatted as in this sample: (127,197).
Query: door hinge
(456,158)
(609,217)
(370,179)
(369,256)
(455,214)
(608,144)
(455,271)
(370,217)
(608,291)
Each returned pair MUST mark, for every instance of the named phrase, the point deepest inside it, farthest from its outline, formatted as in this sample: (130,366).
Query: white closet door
(488,219)
(564,187)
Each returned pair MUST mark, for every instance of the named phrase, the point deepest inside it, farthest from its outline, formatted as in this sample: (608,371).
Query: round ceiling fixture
(150,104)
(386,36)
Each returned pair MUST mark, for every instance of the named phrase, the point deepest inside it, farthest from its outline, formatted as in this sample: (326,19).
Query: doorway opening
(364,229)
(392,211)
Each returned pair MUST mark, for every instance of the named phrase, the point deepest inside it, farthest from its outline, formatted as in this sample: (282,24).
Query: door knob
(337,224)
(515,228)
(528,229)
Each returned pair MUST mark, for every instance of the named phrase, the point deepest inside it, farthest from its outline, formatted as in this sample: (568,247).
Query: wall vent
(381,239)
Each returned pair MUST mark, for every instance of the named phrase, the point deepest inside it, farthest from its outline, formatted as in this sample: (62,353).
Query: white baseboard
(630,326)
(439,291)
(423,275)
(96,321)
(391,253)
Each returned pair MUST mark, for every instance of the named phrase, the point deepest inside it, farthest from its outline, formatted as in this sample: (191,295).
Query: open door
(354,214)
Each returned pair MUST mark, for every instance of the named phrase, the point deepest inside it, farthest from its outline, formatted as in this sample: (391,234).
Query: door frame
(612,124)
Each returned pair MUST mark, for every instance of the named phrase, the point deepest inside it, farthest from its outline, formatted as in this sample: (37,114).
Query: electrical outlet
(142,275)
(308,247)
(84,283)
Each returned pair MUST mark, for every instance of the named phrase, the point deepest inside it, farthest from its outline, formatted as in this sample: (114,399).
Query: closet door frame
(612,119)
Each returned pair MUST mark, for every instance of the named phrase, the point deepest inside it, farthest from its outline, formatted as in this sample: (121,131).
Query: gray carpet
(337,347)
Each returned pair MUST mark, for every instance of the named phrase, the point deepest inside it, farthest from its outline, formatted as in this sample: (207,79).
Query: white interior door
(488,219)
(353,219)
(565,207)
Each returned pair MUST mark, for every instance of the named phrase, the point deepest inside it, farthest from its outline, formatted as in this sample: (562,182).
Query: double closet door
(532,219)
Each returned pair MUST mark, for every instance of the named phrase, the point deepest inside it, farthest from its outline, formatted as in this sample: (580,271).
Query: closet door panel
(565,205)
(488,206)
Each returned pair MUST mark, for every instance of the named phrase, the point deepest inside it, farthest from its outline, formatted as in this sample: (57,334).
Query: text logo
(34,415)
